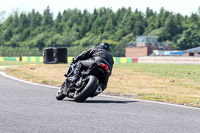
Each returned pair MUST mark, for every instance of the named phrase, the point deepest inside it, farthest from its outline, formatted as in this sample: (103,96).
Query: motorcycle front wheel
(59,94)
(89,87)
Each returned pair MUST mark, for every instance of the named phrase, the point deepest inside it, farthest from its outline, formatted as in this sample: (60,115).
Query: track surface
(26,108)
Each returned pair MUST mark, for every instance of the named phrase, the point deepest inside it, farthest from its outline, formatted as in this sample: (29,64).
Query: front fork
(69,89)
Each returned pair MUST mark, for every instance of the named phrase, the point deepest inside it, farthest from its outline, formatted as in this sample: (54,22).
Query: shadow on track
(109,101)
(104,101)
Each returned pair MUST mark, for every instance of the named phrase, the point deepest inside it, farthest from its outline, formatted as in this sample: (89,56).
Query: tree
(98,26)
(189,39)
(7,34)
(2,17)
(15,22)
(58,18)
(149,13)
(39,41)
(77,29)
(23,20)
(47,18)
(171,28)
(128,21)
(84,27)
(139,27)
(68,38)
(34,19)
(109,25)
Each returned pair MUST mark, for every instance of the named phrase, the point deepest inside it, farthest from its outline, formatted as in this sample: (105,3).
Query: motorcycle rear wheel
(89,88)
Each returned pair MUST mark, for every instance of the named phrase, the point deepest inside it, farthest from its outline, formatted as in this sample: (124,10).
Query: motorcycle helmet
(105,46)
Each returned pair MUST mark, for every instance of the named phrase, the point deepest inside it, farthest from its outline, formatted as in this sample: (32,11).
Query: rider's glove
(73,60)
(85,72)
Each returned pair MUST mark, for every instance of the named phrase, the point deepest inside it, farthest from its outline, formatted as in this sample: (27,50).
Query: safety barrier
(146,59)
(32,59)
(69,59)
(9,59)
(125,60)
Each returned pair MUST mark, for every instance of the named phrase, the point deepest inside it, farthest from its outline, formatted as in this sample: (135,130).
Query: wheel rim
(77,92)
(59,92)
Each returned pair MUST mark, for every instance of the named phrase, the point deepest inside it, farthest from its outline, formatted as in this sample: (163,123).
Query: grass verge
(171,83)
(11,63)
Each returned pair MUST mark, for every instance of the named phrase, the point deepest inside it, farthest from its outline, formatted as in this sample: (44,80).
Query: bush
(19,51)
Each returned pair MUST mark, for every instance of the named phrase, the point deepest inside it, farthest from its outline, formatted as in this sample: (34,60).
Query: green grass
(10,63)
(184,71)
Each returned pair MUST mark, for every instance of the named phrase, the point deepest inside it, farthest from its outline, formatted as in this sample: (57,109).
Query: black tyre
(59,94)
(87,91)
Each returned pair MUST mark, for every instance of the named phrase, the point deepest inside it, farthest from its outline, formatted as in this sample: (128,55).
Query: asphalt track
(29,108)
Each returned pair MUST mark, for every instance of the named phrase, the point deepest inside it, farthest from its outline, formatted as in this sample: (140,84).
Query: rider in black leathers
(100,65)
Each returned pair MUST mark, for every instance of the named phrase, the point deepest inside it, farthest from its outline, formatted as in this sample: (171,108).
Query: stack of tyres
(55,55)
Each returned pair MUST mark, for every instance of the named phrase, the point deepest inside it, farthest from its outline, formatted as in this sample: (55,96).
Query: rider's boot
(77,70)
(73,78)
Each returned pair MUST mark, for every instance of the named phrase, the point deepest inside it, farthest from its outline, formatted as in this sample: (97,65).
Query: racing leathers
(100,65)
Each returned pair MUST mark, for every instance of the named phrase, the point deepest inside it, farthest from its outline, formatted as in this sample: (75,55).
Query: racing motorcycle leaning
(86,86)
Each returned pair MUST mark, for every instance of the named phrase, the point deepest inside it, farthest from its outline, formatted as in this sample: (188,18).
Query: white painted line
(131,99)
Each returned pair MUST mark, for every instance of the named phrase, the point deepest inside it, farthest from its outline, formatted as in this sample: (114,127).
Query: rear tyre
(87,91)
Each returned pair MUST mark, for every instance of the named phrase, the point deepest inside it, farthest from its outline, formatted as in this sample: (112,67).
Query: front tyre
(90,87)
(59,94)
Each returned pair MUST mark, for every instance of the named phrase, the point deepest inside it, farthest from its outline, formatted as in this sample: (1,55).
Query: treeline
(29,33)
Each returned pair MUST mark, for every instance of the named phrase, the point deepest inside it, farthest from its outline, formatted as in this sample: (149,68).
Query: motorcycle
(86,86)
